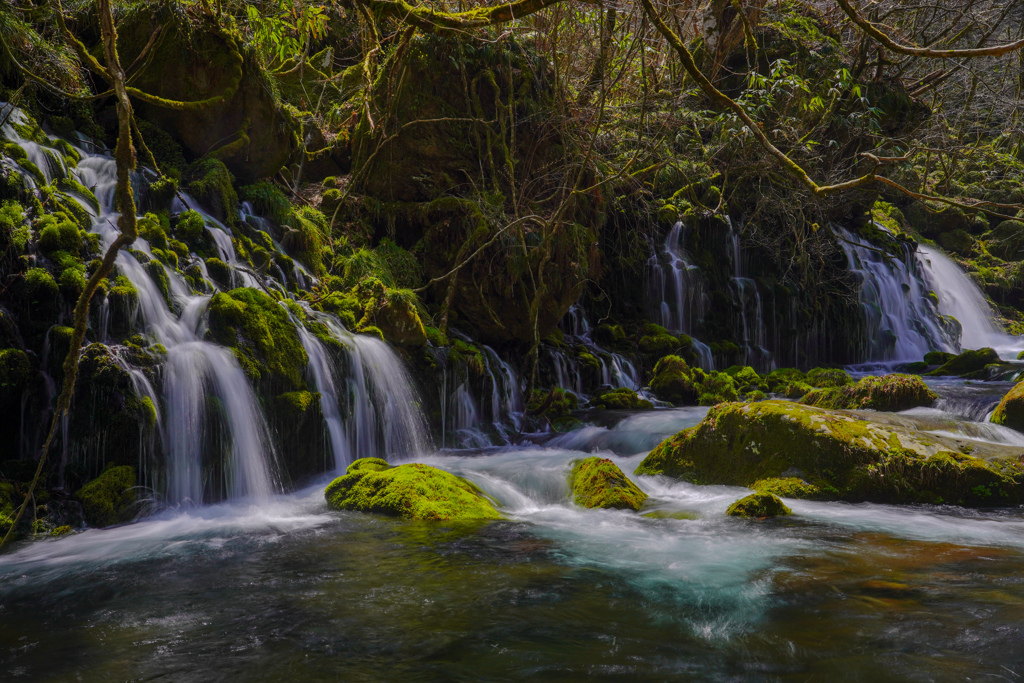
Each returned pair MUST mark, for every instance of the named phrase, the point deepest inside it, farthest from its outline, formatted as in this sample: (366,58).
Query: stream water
(287,589)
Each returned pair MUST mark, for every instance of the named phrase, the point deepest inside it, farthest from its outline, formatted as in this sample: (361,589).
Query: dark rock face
(249,130)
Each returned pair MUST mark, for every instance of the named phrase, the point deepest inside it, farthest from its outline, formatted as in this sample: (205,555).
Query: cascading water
(903,323)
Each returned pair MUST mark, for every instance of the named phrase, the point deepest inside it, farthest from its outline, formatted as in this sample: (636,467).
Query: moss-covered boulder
(242,122)
(553,404)
(678,383)
(892,392)
(843,455)
(1010,411)
(599,483)
(393,311)
(262,336)
(109,498)
(759,505)
(827,378)
(413,491)
(620,399)
(967,362)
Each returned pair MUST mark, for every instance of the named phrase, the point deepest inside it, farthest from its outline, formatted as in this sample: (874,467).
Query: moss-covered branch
(873,31)
(431,20)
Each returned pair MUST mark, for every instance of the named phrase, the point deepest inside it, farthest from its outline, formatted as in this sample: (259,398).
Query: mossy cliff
(599,483)
(841,455)
(412,491)
(243,121)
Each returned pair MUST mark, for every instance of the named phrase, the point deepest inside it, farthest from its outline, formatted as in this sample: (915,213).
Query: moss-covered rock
(262,336)
(1010,411)
(842,455)
(109,498)
(57,233)
(599,483)
(892,392)
(967,362)
(620,399)
(553,404)
(788,487)
(938,357)
(244,122)
(759,505)
(826,378)
(412,491)
(676,382)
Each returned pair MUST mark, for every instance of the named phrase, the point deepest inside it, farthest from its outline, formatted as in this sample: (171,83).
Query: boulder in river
(758,505)
(1010,411)
(413,491)
(599,483)
(109,498)
(839,455)
(972,360)
(892,392)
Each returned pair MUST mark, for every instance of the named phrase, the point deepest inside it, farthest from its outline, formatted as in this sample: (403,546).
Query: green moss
(758,505)
(40,286)
(599,483)
(610,335)
(840,456)
(295,403)
(967,362)
(825,378)
(788,487)
(191,227)
(210,181)
(15,372)
(938,357)
(892,392)
(268,200)
(58,233)
(412,491)
(261,334)
(620,399)
(219,272)
(1010,411)
(678,383)
(779,380)
(657,342)
(109,498)
(743,375)
(552,404)
(71,283)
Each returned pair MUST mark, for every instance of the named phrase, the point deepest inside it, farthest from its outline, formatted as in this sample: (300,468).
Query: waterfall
(960,298)
(902,322)
(676,285)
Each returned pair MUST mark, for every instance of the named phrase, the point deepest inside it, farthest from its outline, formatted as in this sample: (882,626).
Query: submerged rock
(599,483)
(839,455)
(1010,411)
(413,491)
(892,392)
(758,505)
(109,498)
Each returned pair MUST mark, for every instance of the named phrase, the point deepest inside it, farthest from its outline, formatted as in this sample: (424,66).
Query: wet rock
(413,491)
(620,399)
(967,362)
(1010,411)
(109,498)
(758,505)
(891,392)
(678,383)
(843,455)
(599,483)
